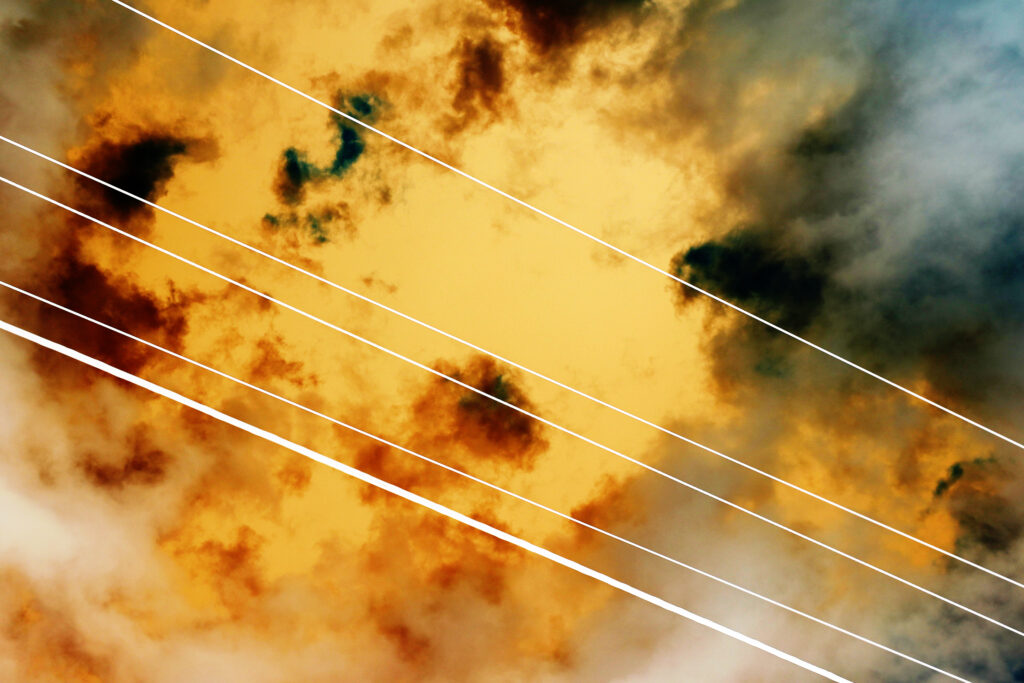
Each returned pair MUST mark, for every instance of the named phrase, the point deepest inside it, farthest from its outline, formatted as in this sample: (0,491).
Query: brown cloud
(480,81)
(270,364)
(141,162)
(141,464)
(489,430)
(555,25)
(613,504)
(74,282)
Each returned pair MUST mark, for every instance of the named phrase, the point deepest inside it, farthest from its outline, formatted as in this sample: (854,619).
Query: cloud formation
(847,170)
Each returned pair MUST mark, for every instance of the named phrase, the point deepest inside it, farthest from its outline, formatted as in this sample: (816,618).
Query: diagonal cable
(414,498)
(583,233)
(554,425)
(478,480)
(511,363)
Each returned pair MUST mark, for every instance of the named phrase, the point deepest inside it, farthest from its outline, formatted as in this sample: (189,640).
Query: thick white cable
(539,375)
(578,231)
(483,482)
(553,425)
(414,498)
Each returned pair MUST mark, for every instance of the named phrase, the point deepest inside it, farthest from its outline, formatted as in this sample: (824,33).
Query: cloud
(481,81)
(859,163)
(552,26)
(296,172)
(855,215)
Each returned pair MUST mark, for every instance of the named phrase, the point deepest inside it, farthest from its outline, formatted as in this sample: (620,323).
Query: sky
(849,171)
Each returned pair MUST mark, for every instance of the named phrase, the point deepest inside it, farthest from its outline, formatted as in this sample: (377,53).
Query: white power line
(539,375)
(414,498)
(578,231)
(521,410)
(483,482)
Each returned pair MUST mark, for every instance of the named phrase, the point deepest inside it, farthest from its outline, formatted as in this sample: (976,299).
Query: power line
(521,410)
(578,231)
(414,498)
(539,375)
(477,480)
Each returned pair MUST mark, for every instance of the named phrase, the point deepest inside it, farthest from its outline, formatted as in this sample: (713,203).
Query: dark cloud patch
(349,136)
(400,469)
(491,430)
(461,429)
(350,148)
(293,174)
(410,646)
(974,492)
(889,229)
(141,164)
(746,267)
(270,364)
(612,506)
(141,465)
(559,24)
(85,288)
(986,521)
(480,81)
(296,173)
(238,562)
(140,167)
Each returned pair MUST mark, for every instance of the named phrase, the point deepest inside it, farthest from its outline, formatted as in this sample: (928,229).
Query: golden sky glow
(158,545)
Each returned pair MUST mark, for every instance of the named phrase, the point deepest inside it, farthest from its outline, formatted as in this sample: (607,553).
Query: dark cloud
(746,267)
(480,81)
(462,429)
(411,647)
(236,564)
(986,520)
(612,504)
(873,239)
(295,172)
(489,430)
(974,493)
(400,469)
(142,164)
(140,464)
(85,288)
(270,363)
(141,168)
(550,26)
(350,147)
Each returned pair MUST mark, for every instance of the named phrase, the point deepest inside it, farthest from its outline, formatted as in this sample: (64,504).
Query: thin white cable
(578,231)
(417,499)
(483,482)
(516,365)
(553,425)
